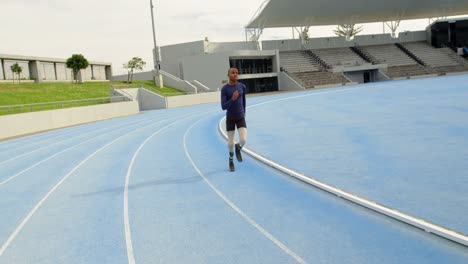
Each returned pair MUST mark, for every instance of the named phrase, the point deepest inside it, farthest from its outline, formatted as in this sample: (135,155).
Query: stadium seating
(441,60)
(389,54)
(312,79)
(339,57)
(314,67)
(298,61)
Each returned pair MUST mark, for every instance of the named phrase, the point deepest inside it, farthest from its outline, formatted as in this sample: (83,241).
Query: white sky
(117,30)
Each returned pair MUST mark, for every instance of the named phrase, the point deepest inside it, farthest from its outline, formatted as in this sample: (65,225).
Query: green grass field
(34,93)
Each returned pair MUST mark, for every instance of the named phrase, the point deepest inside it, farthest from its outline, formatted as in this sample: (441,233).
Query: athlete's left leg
(242,140)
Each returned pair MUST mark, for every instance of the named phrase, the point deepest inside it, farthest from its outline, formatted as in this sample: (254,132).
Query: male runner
(233,100)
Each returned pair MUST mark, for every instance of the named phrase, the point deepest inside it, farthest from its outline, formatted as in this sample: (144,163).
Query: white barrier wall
(193,99)
(27,123)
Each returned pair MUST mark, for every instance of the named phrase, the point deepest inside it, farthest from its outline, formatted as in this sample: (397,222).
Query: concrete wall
(63,73)
(355,76)
(175,82)
(149,100)
(218,47)
(276,62)
(286,83)
(86,74)
(9,74)
(381,76)
(209,69)
(92,73)
(340,42)
(36,73)
(193,99)
(282,45)
(23,124)
(413,36)
(48,71)
(99,72)
(2,76)
(142,76)
(172,54)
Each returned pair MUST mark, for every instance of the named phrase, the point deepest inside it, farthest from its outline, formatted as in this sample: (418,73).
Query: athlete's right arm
(225,101)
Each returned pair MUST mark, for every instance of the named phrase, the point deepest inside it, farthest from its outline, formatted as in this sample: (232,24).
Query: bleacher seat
(297,61)
(389,54)
(339,57)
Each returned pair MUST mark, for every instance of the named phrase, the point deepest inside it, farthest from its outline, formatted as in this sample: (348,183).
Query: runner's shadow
(150,184)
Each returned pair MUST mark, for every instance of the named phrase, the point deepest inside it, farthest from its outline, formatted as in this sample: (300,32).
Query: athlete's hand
(235,95)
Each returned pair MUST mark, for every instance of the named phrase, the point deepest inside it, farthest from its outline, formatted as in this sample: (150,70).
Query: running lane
(402,144)
(167,184)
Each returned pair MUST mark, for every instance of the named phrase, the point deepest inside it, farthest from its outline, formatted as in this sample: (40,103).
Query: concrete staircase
(312,79)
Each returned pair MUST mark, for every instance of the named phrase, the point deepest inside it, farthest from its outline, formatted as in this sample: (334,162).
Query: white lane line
(372,205)
(58,153)
(318,93)
(128,235)
(300,96)
(38,205)
(237,209)
(68,139)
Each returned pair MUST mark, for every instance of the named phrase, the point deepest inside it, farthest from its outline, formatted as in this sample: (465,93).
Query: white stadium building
(303,63)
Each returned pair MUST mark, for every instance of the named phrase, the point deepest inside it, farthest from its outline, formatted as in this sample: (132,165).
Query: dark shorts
(231,123)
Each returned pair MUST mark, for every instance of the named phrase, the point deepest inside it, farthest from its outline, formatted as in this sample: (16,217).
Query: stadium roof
(298,13)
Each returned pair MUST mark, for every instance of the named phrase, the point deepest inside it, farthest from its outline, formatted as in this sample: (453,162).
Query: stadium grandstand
(358,174)
(303,63)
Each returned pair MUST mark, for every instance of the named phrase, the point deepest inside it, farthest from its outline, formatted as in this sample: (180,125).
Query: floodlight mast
(156,51)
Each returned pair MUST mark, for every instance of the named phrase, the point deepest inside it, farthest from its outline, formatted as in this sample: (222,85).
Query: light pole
(157,52)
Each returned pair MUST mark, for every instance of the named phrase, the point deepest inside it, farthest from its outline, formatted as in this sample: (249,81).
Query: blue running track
(155,187)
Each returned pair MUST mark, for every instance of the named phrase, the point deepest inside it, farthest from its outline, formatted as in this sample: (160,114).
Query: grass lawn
(33,93)
(30,93)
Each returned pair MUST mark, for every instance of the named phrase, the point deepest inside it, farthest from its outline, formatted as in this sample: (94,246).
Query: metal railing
(26,108)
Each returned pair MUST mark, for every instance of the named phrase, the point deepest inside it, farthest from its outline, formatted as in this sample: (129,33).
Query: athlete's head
(233,74)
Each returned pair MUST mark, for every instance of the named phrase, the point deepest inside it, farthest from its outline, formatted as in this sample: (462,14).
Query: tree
(76,63)
(15,68)
(136,63)
(347,30)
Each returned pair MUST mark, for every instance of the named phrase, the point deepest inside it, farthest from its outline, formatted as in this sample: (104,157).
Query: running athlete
(233,100)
